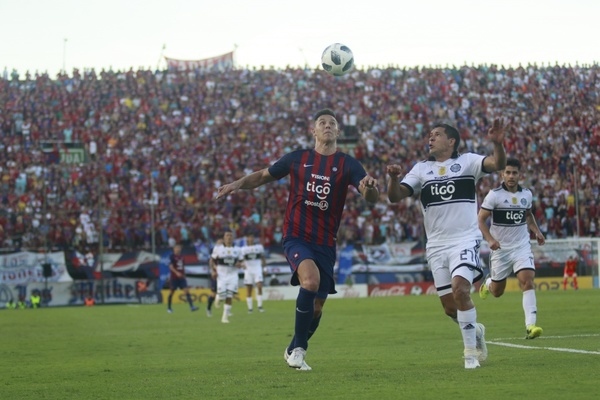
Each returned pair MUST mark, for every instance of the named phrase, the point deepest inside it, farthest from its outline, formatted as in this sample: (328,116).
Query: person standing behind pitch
(319,182)
(570,271)
(254,260)
(447,185)
(177,278)
(508,238)
(224,262)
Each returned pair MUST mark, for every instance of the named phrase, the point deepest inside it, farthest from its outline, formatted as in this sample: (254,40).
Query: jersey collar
(519,188)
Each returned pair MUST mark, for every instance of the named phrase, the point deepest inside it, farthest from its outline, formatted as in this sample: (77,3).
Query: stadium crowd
(165,140)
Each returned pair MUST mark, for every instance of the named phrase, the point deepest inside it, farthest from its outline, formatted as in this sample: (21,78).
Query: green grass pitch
(369,348)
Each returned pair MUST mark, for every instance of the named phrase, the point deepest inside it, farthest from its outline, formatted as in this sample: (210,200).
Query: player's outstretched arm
(396,192)
(249,181)
(496,134)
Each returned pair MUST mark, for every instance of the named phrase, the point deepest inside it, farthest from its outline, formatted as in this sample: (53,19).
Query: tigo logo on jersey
(444,191)
(516,216)
(321,190)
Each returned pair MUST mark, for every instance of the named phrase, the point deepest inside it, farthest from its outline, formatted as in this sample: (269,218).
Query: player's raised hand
(497,131)
(394,171)
(368,182)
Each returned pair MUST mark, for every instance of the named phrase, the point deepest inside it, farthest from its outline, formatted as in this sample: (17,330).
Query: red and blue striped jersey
(318,188)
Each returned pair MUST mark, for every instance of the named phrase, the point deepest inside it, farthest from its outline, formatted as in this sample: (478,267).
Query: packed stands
(163,141)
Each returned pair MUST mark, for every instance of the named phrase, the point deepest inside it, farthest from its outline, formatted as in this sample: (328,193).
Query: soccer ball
(337,59)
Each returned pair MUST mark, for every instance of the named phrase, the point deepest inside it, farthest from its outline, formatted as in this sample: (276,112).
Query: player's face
(177,250)
(250,239)
(439,143)
(228,239)
(511,176)
(326,128)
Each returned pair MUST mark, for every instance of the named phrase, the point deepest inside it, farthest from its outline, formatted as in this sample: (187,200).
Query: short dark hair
(452,133)
(513,162)
(325,111)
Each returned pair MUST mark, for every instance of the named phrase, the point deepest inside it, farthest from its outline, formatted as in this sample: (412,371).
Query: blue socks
(305,309)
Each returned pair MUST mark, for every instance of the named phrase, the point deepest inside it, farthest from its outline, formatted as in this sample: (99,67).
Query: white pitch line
(520,346)
(551,337)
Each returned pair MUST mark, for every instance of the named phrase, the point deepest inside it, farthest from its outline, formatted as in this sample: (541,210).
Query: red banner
(222,62)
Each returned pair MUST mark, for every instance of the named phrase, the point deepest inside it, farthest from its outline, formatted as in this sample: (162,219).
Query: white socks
(467,320)
(529,307)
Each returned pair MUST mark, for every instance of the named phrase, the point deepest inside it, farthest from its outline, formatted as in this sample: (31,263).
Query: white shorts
(253,275)
(227,281)
(448,261)
(503,262)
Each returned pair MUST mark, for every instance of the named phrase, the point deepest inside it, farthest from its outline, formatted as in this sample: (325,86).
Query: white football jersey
(252,255)
(448,197)
(509,210)
(226,256)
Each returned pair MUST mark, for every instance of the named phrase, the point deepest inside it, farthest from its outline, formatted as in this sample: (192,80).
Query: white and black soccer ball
(337,59)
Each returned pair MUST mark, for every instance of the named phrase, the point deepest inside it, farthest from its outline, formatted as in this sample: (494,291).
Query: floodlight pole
(64,66)
(152,231)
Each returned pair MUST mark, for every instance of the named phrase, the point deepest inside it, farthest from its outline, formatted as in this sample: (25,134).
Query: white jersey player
(511,219)
(447,187)
(225,260)
(254,260)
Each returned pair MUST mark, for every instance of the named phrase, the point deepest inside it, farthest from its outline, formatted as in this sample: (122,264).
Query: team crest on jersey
(455,167)
(523,202)
(334,169)
(514,200)
(442,171)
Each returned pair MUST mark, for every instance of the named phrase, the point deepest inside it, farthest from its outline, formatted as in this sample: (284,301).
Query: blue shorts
(297,250)
(180,283)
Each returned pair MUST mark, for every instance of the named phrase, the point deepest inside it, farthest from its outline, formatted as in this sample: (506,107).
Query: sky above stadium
(47,35)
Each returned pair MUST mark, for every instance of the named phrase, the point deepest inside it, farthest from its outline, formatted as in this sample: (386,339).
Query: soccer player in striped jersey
(447,186)
(512,219)
(319,179)
(177,278)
